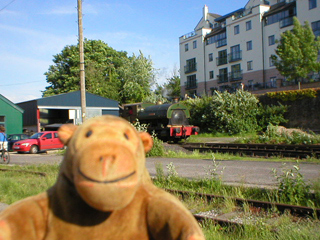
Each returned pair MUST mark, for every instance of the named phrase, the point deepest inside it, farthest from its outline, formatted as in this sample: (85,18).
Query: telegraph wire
(14,84)
(7,5)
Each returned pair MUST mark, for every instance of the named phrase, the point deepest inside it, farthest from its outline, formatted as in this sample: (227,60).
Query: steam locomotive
(168,121)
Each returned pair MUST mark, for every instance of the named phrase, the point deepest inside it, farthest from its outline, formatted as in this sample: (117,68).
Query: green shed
(10,116)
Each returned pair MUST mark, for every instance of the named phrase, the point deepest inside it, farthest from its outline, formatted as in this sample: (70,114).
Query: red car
(41,141)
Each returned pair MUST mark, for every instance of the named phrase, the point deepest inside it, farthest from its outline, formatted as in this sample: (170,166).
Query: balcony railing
(190,68)
(235,76)
(259,86)
(222,78)
(221,43)
(189,35)
(235,56)
(286,22)
(311,78)
(222,60)
(190,85)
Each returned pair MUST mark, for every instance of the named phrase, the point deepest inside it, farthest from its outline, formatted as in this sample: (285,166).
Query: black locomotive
(168,121)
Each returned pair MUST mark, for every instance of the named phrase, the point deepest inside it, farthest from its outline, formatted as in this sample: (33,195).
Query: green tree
(101,63)
(173,87)
(297,52)
(109,73)
(137,76)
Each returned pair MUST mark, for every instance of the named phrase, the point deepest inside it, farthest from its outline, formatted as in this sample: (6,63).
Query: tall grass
(15,185)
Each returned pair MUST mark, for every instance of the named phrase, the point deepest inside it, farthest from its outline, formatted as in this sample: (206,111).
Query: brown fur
(103,191)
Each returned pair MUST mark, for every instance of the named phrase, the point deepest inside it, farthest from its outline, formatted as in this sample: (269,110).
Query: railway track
(298,211)
(267,150)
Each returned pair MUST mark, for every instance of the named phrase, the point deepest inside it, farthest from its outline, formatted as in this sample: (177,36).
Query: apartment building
(234,51)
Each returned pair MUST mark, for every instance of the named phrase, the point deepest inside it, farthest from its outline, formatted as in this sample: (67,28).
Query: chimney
(205,12)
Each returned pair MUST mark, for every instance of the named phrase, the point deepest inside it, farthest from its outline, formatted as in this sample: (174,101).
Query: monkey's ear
(65,132)
(146,141)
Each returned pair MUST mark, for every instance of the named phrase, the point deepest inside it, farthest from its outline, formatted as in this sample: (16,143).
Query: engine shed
(49,113)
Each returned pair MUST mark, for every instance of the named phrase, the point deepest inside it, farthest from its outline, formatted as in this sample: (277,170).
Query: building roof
(6,100)
(279,7)
(74,99)
(214,15)
(216,31)
(229,15)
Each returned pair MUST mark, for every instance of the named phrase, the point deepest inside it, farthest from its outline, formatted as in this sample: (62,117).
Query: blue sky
(32,31)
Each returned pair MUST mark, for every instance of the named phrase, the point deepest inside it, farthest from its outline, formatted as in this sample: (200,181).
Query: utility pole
(82,73)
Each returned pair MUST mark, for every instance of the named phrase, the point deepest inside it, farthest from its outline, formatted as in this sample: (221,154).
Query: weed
(292,187)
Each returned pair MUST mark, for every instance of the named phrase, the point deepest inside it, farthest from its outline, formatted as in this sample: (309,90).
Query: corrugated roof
(74,99)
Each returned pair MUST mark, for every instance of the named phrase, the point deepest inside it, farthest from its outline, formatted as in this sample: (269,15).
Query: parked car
(42,141)
(12,138)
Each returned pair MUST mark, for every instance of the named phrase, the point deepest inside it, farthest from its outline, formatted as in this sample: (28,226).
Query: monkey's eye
(126,136)
(88,134)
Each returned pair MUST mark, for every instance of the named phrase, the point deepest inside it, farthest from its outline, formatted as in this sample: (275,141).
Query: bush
(271,115)
(225,112)
(293,95)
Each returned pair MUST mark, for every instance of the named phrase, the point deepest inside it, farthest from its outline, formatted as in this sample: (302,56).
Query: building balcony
(190,85)
(235,76)
(190,68)
(221,60)
(235,56)
(286,22)
(189,35)
(222,78)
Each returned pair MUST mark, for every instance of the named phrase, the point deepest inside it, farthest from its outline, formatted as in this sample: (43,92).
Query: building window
(271,40)
(220,39)
(191,82)
(194,44)
(223,75)
(249,45)
(210,57)
(249,65)
(271,62)
(191,66)
(222,57)
(211,75)
(236,53)
(236,72)
(284,17)
(312,4)
(236,30)
(186,47)
(248,25)
(316,28)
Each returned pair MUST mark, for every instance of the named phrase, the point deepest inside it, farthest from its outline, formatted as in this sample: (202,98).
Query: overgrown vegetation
(235,113)
(279,135)
(157,149)
(292,188)
(267,225)
(17,185)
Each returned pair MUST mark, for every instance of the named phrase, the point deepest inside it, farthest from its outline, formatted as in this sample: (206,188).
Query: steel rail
(300,211)
(284,150)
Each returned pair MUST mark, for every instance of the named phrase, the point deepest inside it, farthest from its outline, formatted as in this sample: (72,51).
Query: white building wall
(259,35)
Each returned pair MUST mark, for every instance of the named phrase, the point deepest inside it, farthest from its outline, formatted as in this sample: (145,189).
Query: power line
(14,84)
(6,5)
